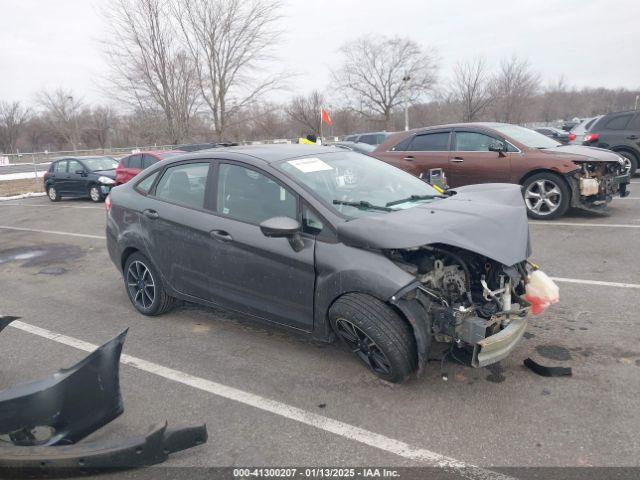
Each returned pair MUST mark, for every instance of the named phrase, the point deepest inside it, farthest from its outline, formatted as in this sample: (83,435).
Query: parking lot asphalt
(500,416)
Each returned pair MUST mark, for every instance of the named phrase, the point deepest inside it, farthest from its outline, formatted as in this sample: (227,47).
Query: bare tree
(62,114)
(99,123)
(374,69)
(150,70)
(513,88)
(471,87)
(13,117)
(230,42)
(305,111)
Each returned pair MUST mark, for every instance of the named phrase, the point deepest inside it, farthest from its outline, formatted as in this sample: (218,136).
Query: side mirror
(497,146)
(283,227)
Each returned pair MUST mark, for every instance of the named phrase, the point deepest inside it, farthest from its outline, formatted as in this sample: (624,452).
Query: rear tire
(546,196)
(632,161)
(376,334)
(53,194)
(144,287)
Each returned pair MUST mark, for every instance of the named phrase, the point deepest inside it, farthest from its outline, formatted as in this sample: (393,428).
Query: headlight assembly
(106,180)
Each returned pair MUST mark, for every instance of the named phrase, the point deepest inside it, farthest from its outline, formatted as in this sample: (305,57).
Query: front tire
(546,196)
(376,334)
(53,194)
(631,162)
(95,194)
(144,286)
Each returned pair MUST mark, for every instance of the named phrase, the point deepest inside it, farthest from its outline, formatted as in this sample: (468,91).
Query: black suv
(619,132)
(91,177)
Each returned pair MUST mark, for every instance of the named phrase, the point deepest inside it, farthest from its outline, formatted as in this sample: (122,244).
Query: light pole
(75,123)
(405,82)
(637,101)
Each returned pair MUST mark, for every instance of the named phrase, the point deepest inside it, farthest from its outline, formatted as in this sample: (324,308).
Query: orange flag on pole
(324,116)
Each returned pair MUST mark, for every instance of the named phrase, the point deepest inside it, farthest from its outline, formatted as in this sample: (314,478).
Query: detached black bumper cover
(72,403)
(89,457)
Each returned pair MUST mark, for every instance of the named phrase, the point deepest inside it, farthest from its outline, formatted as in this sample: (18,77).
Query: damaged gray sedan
(334,244)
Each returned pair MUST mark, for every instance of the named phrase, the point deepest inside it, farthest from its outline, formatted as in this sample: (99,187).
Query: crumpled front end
(477,305)
(595,184)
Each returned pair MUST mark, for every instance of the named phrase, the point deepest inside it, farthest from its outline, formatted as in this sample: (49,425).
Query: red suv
(132,165)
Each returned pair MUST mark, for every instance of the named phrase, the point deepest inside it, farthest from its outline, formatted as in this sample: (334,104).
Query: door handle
(632,137)
(408,157)
(220,235)
(457,159)
(152,214)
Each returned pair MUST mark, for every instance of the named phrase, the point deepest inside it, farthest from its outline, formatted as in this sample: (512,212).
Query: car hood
(488,219)
(581,153)
(106,173)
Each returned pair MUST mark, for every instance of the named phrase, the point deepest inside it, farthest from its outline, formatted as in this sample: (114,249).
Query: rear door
(422,152)
(632,135)
(473,162)
(614,130)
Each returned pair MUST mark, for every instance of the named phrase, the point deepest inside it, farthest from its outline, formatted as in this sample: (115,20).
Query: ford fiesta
(332,243)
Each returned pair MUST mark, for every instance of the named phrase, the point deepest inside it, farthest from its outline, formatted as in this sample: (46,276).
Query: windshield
(529,138)
(350,177)
(100,163)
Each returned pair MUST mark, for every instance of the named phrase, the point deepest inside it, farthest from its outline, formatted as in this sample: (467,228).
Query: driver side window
(252,197)
(473,142)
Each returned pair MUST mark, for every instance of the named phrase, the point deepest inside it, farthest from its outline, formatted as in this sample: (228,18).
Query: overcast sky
(46,44)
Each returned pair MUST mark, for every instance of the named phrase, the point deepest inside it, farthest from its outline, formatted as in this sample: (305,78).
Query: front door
(75,183)
(262,276)
(472,161)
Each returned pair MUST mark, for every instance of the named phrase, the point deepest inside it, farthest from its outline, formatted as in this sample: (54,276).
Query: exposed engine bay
(595,184)
(467,296)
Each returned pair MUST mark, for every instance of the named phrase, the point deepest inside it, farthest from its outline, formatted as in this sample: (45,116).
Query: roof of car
(270,153)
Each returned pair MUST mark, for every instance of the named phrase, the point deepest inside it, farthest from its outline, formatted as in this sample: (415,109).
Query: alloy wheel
(52,193)
(543,197)
(626,167)
(94,193)
(142,288)
(363,346)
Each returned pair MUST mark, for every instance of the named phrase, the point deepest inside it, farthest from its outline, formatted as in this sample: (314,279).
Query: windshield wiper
(414,198)
(363,205)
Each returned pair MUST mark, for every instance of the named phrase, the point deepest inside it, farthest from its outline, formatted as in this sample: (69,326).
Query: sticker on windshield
(309,165)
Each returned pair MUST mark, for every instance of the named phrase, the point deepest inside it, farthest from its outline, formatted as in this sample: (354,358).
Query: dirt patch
(41,255)
(554,352)
(9,188)
(55,271)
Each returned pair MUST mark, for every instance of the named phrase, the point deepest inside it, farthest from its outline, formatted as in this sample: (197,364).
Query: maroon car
(131,165)
(554,177)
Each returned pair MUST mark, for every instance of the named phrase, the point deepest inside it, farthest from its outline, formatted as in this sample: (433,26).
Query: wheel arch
(410,312)
(126,253)
(627,149)
(536,171)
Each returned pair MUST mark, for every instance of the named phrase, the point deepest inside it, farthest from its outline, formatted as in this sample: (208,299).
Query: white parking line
(576,224)
(336,427)
(596,282)
(52,232)
(9,204)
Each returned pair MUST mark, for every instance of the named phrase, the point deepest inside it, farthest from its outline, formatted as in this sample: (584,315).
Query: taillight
(591,137)
(107,203)
(572,137)
(46,174)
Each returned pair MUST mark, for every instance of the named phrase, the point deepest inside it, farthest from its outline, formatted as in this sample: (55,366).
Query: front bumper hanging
(42,421)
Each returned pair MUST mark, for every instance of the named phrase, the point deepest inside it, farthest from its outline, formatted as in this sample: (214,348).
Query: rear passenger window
(135,161)
(124,163)
(252,197)
(147,161)
(184,184)
(145,185)
(618,123)
(635,124)
(430,142)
